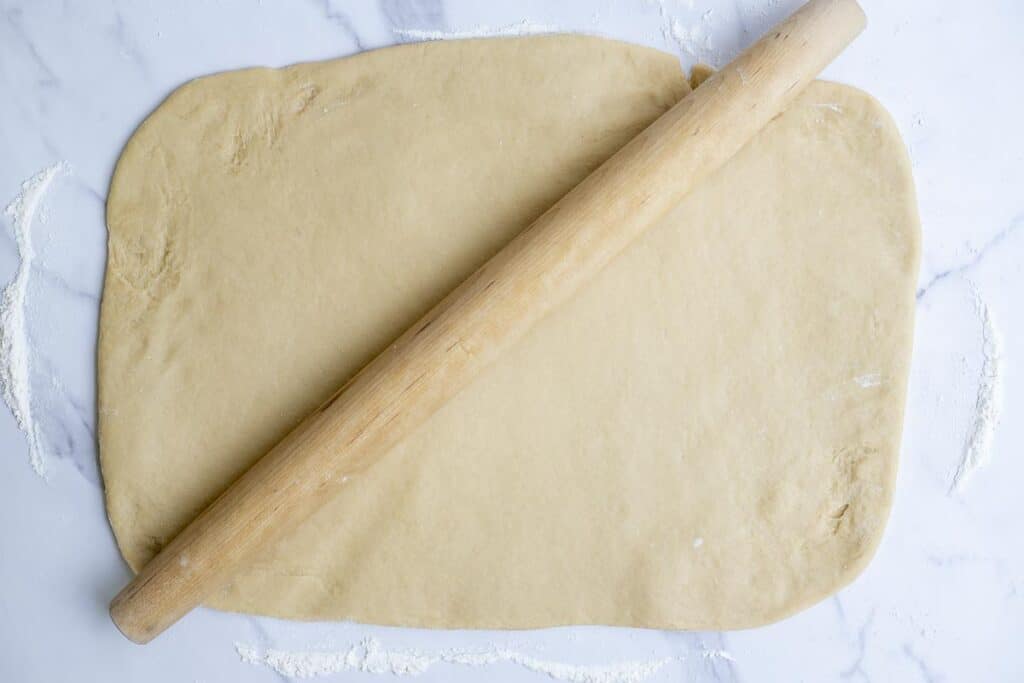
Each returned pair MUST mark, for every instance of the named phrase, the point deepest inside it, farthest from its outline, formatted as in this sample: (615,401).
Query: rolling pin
(486,314)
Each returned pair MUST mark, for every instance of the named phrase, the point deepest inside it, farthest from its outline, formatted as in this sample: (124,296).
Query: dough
(705,437)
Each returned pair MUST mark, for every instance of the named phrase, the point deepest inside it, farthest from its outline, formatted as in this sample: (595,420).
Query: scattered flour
(831,106)
(370,657)
(764,11)
(521,28)
(988,406)
(694,40)
(872,379)
(719,654)
(691,40)
(15,361)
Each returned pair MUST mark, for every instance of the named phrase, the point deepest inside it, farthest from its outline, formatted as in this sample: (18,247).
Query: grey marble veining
(943,599)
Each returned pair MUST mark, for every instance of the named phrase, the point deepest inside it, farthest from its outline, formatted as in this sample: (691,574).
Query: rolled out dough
(705,437)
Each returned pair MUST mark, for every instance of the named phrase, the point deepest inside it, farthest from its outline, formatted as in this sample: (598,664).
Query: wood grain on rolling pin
(485,315)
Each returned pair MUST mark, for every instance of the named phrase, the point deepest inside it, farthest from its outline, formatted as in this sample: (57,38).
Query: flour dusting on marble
(15,360)
(370,656)
(694,39)
(719,654)
(988,405)
(521,28)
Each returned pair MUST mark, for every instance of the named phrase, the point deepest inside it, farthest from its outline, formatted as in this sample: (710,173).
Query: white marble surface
(942,601)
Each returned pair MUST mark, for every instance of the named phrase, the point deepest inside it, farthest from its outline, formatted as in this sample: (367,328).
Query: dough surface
(705,437)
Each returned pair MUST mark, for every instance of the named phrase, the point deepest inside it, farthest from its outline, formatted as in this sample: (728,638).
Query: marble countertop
(942,601)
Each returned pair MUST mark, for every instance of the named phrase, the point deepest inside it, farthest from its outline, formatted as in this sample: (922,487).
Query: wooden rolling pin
(485,315)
